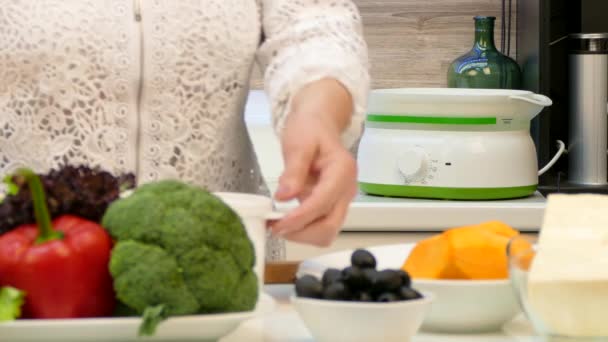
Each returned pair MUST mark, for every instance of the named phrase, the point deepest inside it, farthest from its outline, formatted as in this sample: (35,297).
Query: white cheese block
(568,279)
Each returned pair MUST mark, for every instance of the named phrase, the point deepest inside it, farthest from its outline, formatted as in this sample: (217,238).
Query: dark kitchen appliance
(546,47)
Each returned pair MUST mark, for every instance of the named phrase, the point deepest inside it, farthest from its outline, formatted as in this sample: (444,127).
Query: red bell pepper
(62,266)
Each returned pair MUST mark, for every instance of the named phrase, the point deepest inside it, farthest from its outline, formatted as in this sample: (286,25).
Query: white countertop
(374,213)
(284,325)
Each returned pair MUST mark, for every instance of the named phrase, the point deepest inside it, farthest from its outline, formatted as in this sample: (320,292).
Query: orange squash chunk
(429,258)
(478,254)
(469,252)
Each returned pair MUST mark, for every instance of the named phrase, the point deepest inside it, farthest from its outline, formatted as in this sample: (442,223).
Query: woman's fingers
(299,156)
(323,231)
(336,185)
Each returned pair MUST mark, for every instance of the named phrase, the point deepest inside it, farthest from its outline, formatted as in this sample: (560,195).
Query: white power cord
(560,151)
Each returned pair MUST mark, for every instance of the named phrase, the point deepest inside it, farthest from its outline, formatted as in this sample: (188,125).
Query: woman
(158,87)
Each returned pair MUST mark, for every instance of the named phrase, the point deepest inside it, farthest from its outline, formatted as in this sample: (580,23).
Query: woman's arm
(311,40)
(316,75)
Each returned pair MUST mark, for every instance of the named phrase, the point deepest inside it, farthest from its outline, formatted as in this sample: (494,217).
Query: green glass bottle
(484,66)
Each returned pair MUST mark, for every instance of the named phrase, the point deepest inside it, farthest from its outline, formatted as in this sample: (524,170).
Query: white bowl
(469,306)
(331,321)
(460,306)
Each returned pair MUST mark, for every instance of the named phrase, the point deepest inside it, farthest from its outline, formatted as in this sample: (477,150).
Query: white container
(331,321)
(255,211)
(469,144)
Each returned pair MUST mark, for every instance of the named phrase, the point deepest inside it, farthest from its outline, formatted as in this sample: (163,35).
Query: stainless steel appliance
(588,120)
(546,30)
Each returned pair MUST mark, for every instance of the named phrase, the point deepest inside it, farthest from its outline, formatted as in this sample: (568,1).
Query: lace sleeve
(308,40)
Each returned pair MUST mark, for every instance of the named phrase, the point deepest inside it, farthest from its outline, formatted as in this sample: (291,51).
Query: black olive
(355,278)
(408,293)
(337,291)
(330,276)
(388,297)
(405,278)
(309,286)
(363,259)
(387,281)
(370,275)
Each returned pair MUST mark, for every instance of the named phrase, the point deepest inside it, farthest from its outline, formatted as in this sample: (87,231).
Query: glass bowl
(544,315)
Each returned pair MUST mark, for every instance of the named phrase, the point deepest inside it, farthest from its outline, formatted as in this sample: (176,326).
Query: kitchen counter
(382,214)
(352,240)
(285,325)
(373,221)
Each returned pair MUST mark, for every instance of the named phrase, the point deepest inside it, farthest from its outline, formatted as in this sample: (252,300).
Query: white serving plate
(183,328)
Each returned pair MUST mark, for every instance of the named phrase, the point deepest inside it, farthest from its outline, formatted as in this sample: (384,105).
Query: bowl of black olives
(360,302)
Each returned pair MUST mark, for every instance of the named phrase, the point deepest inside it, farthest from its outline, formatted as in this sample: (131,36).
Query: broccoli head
(182,248)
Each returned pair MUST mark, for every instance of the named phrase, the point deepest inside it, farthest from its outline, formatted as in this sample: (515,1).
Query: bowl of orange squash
(465,268)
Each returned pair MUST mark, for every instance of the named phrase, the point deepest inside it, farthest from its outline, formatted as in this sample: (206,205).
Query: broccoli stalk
(152,317)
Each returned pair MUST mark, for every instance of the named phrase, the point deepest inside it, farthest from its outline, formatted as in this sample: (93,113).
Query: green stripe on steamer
(391,190)
(436,120)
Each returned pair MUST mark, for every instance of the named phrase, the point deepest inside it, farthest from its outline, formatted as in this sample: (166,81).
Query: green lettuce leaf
(11,301)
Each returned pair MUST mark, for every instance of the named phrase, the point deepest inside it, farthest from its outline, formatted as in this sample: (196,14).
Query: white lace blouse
(158,87)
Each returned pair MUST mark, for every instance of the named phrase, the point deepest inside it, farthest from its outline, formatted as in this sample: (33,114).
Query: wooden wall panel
(412,42)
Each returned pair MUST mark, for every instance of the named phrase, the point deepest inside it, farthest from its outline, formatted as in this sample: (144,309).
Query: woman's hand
(319,171)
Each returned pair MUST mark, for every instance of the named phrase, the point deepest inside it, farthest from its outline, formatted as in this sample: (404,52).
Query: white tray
(183,328)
